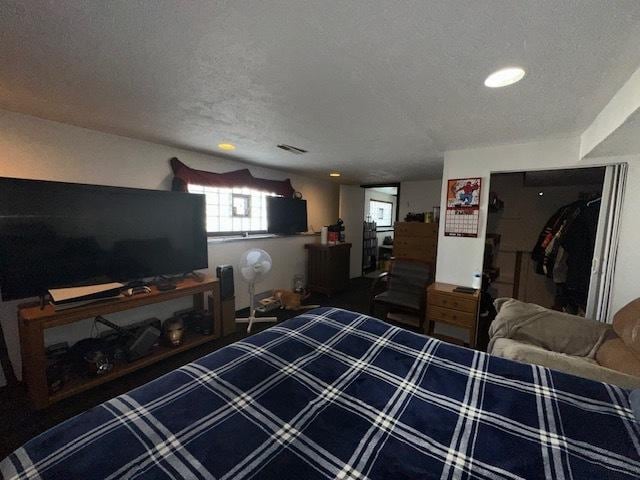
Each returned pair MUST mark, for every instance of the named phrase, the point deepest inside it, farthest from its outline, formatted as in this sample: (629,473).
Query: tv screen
(286,215)
(56,234)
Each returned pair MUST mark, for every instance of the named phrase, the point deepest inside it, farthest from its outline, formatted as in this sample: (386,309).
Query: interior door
(606,244)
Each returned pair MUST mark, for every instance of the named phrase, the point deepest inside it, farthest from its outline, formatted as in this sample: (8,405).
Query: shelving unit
(369,247)
(34,319)
(80,384)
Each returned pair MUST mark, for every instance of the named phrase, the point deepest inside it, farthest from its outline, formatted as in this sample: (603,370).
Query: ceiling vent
(292,149)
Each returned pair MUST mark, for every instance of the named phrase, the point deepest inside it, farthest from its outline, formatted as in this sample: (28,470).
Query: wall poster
(463,207)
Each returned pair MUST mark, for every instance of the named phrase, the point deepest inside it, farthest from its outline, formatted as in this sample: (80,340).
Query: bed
(336,394)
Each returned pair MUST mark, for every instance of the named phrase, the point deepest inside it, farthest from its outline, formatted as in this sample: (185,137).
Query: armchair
(403,288)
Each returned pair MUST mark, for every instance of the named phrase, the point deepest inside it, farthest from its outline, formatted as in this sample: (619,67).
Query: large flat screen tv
(56,234)
(286,215)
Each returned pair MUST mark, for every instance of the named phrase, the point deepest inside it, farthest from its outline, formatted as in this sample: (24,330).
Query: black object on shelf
(139,342)
(136,284)
(338,228)
(464,290)
(414,217)
(164,284)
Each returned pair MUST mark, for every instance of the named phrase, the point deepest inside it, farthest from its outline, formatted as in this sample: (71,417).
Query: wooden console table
(328,267)
(33,320)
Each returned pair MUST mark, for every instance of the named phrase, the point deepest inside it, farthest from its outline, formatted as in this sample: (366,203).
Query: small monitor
(286,215)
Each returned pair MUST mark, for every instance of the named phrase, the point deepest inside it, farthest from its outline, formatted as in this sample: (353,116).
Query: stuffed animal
(291,300)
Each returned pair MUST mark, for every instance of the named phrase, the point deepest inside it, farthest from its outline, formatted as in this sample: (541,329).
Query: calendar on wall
(463,207)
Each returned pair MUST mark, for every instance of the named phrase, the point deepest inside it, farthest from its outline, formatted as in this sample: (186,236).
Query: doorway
(542,229)
(381,209)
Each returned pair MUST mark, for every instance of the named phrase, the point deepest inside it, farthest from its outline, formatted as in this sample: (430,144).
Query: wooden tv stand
(34,319)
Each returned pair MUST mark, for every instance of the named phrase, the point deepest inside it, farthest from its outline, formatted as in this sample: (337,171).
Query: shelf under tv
(34,319)
(80,384)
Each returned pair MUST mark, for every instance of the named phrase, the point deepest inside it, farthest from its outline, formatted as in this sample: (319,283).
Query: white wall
(419,196)
(39,149)
(351,208)
(458,258)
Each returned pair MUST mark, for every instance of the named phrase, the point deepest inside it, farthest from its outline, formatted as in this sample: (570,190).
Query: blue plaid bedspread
(335,394)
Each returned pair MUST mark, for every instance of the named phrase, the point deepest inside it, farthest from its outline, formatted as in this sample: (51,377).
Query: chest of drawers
(444,305)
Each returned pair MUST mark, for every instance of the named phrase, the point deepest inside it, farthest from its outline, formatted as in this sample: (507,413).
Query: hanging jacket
(545,251)
(579,242)
(551,252)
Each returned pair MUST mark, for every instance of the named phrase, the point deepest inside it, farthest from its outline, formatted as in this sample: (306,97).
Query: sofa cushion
(548,329)
(616,355)
(401,299)
(579,366)
(626,323)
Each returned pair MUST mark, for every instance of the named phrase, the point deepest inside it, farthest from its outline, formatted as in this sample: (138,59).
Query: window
(234,210)
(240,205)
(381,212)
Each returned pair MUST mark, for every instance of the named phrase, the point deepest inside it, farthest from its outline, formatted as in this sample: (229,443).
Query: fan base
(252,320)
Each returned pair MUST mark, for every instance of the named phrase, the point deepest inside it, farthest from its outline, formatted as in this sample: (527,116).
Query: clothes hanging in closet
(564,252)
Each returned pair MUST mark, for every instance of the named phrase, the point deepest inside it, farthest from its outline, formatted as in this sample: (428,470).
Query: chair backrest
(410,277)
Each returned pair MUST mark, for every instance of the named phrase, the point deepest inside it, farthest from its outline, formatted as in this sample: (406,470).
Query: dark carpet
(20,423)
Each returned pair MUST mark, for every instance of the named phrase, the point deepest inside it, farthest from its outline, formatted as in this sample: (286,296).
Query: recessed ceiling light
(226,146)
(540,194)
(504,77)
(334,174)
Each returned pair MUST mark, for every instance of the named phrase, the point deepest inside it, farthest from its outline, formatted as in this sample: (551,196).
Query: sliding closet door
(606,245)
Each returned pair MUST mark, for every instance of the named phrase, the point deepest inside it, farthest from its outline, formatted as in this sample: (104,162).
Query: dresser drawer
(452,301)
(415,243)
(453,317)
(416,229)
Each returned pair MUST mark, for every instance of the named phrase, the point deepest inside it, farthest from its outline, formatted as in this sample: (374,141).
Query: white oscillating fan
(255,265)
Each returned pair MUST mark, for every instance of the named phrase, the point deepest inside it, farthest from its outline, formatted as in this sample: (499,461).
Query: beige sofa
(533,334)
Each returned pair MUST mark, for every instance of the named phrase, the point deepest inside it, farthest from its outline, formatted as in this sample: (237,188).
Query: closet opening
(542,230)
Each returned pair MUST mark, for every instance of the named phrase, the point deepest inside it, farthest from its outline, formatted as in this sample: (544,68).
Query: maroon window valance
(183,175)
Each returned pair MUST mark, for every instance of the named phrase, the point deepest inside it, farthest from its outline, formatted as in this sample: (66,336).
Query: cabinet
(328,267)
(416,241)
(444,305)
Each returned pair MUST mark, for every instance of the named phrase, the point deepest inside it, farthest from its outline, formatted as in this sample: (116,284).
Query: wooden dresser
(328,267)
(415,240)
(453,308)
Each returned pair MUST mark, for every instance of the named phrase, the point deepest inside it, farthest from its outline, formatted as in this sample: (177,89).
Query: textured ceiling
(377,90)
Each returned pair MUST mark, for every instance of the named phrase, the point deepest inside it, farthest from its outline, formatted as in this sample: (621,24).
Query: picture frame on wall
(463,207)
